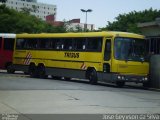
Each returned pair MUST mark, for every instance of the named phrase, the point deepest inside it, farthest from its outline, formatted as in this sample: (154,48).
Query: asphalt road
(20,94)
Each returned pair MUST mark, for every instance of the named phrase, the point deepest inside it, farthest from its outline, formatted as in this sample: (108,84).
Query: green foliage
(12,21)
(26,10)
(3,1)
(128,22)
(77,28)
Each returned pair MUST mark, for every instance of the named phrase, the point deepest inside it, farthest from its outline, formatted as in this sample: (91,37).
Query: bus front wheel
(67,78)
(120,83)
(92,76)
(146,84)
(42,71)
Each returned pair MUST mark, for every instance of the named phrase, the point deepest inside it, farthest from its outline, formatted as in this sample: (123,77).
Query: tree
(68,26)
(22,22)
(34,8)
(26,10)
(3,1)
(29,10)
(79,28)
(128,22)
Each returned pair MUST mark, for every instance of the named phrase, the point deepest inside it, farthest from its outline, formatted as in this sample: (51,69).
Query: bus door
(107,60)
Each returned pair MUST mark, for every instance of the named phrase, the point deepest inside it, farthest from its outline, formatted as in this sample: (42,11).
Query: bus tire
(67,78)
(10,68)
(92,76)
(56,77)
(120,84)
(41,71)
(32,71)
(146,84)
(26,73)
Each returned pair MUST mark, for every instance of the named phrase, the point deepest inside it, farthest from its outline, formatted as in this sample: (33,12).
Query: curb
(154,89)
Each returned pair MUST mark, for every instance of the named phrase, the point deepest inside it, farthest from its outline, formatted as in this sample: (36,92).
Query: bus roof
(82,34)
(7,35)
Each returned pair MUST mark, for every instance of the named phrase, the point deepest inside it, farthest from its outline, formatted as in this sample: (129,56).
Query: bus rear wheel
(10,68)
(32,71)
(41,71)
(92,76)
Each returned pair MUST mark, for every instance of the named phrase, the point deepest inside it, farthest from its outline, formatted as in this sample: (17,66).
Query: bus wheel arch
(91,74)
(10,68)
(41,70)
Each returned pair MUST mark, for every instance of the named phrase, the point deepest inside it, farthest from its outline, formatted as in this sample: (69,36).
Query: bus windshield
(130,49)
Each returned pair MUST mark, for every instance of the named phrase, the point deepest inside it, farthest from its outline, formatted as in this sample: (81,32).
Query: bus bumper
(131,78)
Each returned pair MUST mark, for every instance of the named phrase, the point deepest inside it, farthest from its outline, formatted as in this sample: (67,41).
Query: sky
(103,10)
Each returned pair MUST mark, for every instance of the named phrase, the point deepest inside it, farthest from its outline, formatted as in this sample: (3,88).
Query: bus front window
(129,49)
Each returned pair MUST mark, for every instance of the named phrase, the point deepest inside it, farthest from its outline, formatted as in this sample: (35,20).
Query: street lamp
(86,11)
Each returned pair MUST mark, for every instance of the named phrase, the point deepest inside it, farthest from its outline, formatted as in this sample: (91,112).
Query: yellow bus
(115,57)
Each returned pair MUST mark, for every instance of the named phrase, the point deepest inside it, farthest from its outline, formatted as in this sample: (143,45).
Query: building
(150,28)
(40,10)
(73,24)
(152,31)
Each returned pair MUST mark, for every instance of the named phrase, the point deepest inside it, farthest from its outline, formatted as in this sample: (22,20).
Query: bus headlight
(119,77)
(145,78)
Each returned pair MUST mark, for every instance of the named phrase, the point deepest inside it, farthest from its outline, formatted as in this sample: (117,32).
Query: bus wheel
(10,68)
(56,77)
(92,76)
(32,71)
(26,73)
(41,71)
(120,83)
(146,84)
(67,78)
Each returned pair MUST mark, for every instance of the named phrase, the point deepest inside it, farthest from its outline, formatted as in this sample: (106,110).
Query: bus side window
(80,44)
(9,43)
(48,44)
(30,43)
(54,43)
(42,43)
(60,44)
(20,43)
(0,42)
(68,44)
(73,43)
(94,44)
(107,52)
(34,43)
